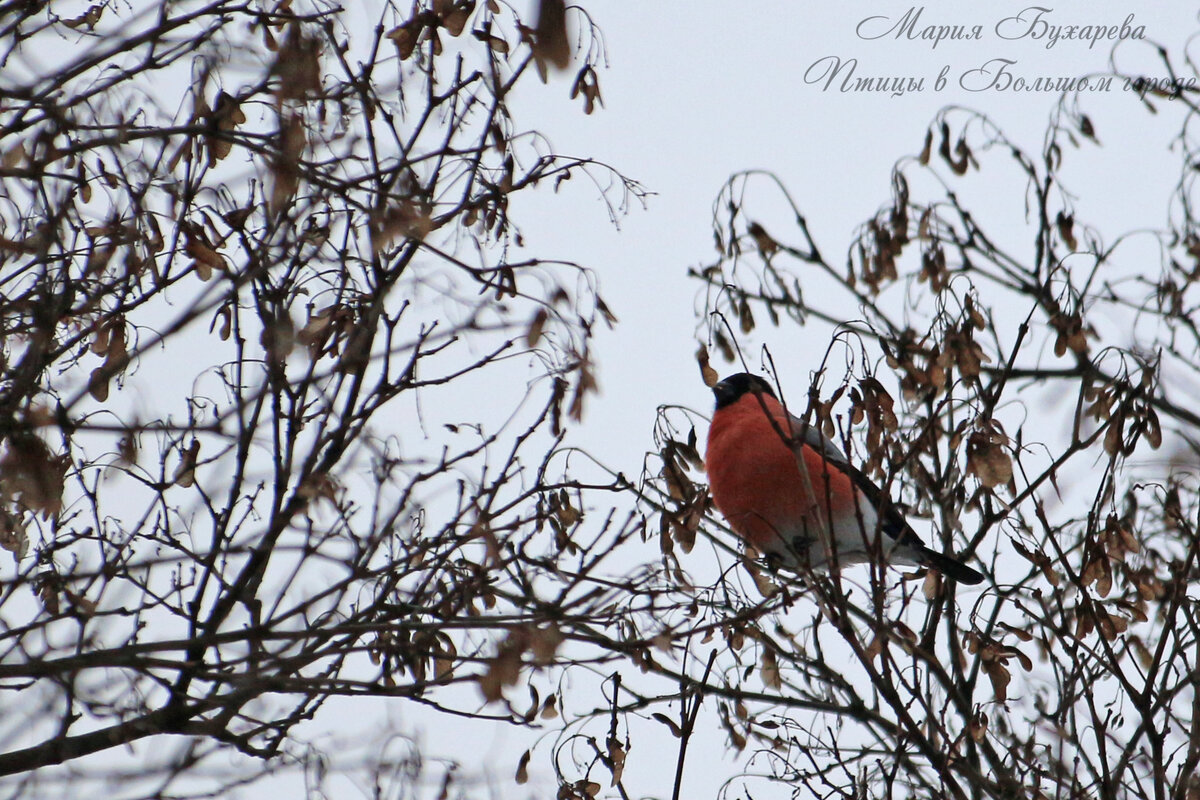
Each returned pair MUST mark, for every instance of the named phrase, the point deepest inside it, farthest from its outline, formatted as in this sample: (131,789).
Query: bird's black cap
(731,389)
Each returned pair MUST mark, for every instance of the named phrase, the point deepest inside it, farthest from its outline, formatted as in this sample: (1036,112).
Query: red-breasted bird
(787,514)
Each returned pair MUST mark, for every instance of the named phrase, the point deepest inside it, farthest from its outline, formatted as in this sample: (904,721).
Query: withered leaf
(278,336)
(32,474)
(504,668)
(670,723)
(185,473)
(586,384)
(874,647)
(544,643)
(931,587)
(298,64)
(48,585)
(685,532)
(977,728)
(1065,224)
(766,244)
(988,461)
(536,326)
(205,259)
(745,316)
(550,708)
(1113,436)
(522,775)
(1040,560)
(14,156)
(98,383)
(404,37)
(1000,677)
(13,536)
(87,19)
(587,83)
(444,655)
(407,218)
(923,158)
(496,43)
(551,45)
(455,18)
(1086,127)
(769,670)
(616,759)
(707,373)
(225,315)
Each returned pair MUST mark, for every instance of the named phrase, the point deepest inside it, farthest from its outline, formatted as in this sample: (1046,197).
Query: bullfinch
(793,515)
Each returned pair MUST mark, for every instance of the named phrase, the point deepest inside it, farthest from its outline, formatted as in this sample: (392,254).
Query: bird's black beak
(725,393)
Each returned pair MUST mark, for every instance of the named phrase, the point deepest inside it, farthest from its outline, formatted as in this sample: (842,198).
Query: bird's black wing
(892,521)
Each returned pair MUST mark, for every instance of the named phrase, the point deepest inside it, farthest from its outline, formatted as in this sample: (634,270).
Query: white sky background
(693,92)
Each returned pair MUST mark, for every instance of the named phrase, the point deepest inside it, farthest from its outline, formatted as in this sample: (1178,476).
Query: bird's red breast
(757,484)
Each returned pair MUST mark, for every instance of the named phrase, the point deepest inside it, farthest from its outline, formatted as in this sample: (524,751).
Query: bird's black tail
(949,567)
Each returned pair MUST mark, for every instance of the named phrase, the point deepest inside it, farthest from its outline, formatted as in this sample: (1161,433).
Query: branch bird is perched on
(787,513)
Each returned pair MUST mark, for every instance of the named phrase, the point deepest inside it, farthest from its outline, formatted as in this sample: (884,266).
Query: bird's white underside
(851,535)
